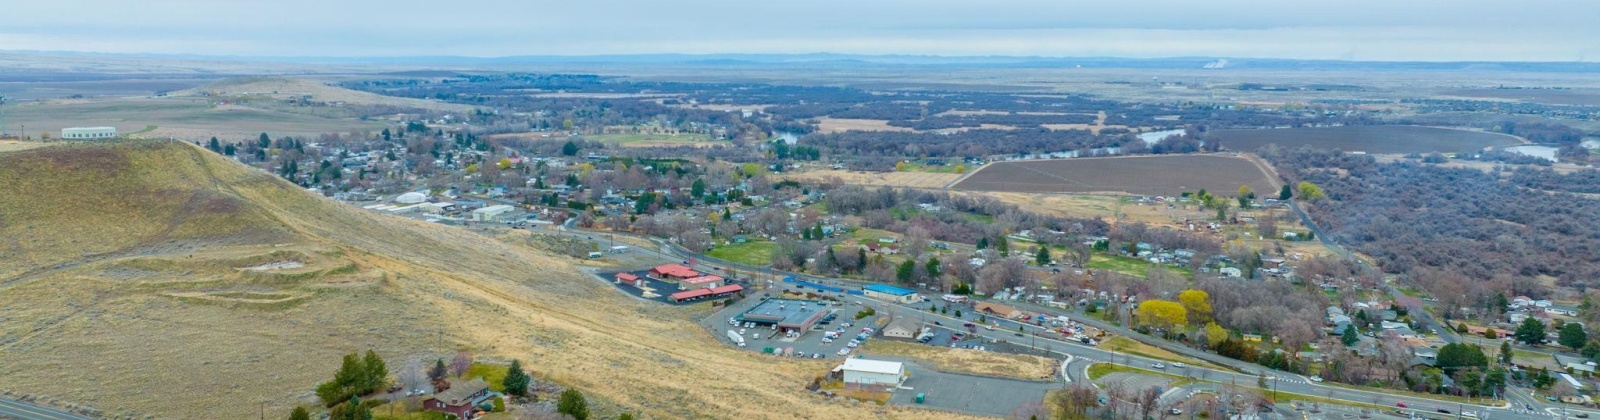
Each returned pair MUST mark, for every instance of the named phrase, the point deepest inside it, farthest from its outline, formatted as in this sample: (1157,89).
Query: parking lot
(967,393)
(811,342)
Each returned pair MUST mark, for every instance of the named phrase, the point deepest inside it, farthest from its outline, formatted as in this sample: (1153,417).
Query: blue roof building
(891,293)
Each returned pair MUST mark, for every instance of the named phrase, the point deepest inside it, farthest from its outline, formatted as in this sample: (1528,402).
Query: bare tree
(460,364)
(1146,400)
(412,374)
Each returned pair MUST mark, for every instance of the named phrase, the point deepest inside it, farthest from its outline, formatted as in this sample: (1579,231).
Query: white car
(1315,378)
(1178,365)
(1158,365)
(844,351)
(755,335)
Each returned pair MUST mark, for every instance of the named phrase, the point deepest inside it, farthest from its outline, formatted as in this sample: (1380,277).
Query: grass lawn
(1479,401)
(649,139)
(493,374)
(866,234)
(1098,370)
(748,253)
(1130,346)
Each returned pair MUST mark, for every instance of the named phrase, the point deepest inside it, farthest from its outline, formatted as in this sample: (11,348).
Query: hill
(294,88)
(159,278)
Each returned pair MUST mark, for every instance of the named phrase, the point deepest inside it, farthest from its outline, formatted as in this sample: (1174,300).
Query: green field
(1125,265)
(749,253)
(866,234)
(493,374)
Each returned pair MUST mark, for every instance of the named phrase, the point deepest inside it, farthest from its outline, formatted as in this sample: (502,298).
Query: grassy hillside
(135,274)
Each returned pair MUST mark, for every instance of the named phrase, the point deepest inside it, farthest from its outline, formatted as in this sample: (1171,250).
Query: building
(492,213)
(710,293)
(630,279)
(903,327)
(461,399)
(88,133)
(787,314)
(1002,311)
(411,198)
(673,271)
(699,282)
(872,374)
(891,293)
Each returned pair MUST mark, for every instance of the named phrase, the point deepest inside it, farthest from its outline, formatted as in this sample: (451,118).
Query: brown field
(1397,139)
(720,107)
(284,88)
(185,118)
(129,264)
(1543,96)
(879,179)
(1141,175)
(12,145)
(976,362)
(1563,168)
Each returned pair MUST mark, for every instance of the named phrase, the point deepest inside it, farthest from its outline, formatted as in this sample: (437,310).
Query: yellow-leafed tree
(1215,334)
(1198,303)
(1163,314)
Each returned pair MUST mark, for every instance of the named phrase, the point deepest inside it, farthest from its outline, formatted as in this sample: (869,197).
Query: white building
(411,198)
(860,373)
(903,327)
(88,133)
(491,213)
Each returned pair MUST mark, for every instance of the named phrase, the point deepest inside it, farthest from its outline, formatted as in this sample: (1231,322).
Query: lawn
(493,374)
(1098,370)
(867,234)
(1130,346)
(748,253)
(652,139)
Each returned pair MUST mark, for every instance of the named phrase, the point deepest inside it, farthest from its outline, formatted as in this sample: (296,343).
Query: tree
(517,380)
(229,150)
(1197,302)
(264,141)
(698,188)
(214,145)
(376,373)
(1461,328)
(1573,336)
(345,383)
(1530,332)
(1001,246)
(1543,380)
(300,413)
(460,363)
(1457,355)
(573,404)
(983,243)
(1162,313)
(932,267)
(1043,256)
(1349,337)
(1285,193)
(1309,191)
(905,271)
(569,149)
(386,135)
(438,371)
(1215,334)
(1505,352)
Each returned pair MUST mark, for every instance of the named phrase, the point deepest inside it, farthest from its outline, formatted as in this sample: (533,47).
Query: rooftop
(784,311)
(459,390)
(701,279)
(872,366)
(707,292)
(884,288)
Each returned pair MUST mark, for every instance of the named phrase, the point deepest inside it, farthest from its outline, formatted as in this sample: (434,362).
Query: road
(20,410)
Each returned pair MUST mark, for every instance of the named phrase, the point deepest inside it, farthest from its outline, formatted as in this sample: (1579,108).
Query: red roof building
(630,279)
(673,271)
(702,282)
(711,293)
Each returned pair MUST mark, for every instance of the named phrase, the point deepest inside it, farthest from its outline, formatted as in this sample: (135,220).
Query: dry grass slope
(123,280)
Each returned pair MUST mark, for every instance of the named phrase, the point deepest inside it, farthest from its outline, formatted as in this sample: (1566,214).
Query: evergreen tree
(983,243)
(569,149)
(933,268)
(1530,332)
(439,371)
(726,215)
(861,260)
(697,189)
(516,382)
(300,413)
(1349,338)
(375,374)
(214,145)
(1285,193)
(1043,256)
(1001,246)
(1505,352)
(1573,336)
(905,271)
(229,150)
(573,404)
(264,141)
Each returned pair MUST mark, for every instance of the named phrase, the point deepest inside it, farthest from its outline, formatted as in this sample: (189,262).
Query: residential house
(461,400)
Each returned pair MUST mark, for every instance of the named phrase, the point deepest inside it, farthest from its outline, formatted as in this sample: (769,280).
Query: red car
(1400,404)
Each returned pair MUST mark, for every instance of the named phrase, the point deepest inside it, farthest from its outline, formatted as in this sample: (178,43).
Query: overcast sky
(1428,30)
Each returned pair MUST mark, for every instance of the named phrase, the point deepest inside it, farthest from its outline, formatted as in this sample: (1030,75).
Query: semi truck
(738,339)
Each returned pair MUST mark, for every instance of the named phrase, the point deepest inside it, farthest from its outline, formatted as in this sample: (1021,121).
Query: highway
(20,410)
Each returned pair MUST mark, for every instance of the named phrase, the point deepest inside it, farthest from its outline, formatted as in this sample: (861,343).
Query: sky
(1366,30)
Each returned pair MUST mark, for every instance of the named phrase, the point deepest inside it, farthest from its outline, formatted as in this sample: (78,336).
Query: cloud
(1556,30)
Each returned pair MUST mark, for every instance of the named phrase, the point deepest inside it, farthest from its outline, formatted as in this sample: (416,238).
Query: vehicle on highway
(1443,411)
(1469,414)
(1178,365)
(1158,365)
(1400,404)
(1582,415)
(1315,378)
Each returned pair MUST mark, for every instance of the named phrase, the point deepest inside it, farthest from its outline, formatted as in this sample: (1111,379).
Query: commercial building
(673,271)
(88,133)
(702,294)
(891,293)
(699,282)
(491,213)
(787,314)
(903,327)
(872,374)
(630,279)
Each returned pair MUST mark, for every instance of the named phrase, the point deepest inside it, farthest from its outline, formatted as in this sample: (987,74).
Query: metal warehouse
(787,314)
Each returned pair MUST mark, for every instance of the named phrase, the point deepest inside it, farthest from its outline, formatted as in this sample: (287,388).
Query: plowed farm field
(1140,175)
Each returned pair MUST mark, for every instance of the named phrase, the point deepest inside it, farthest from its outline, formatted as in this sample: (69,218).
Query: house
(890,293)
(903,327)
(461,400)
(998,310)
(871,374)
(673,271)
(1231,272)
(630,279)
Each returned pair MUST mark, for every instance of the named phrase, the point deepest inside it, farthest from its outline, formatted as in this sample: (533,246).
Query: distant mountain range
(853,60)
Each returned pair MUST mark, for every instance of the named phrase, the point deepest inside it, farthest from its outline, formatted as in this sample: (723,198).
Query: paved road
(14,409)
